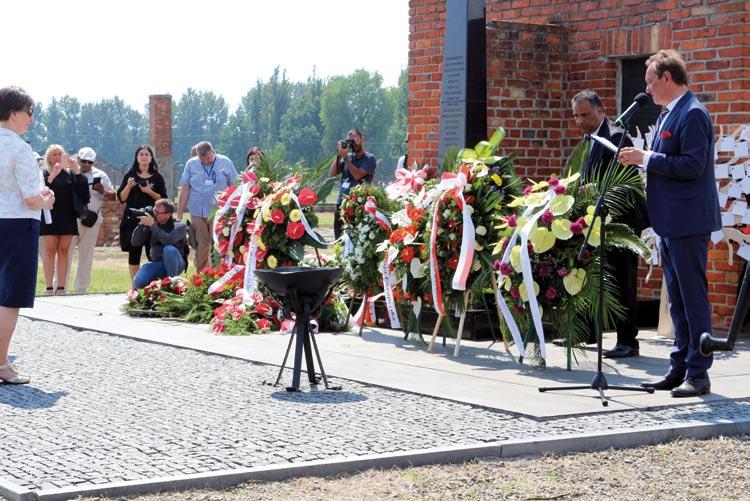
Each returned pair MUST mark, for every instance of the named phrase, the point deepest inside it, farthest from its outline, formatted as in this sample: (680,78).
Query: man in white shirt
(101,189)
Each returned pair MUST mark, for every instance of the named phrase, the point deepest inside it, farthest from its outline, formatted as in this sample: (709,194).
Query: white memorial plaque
(734,191)
(722,171)
(723,197)
(727,144)
(744,252)
(717,236)
(741,150)
(727,219)
(746,217)
(745,133)
(739,208)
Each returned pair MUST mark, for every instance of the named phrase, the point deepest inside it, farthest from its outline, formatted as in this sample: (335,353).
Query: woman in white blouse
(22,197)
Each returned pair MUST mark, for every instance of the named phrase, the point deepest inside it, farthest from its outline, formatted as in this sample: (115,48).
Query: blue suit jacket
(681,187)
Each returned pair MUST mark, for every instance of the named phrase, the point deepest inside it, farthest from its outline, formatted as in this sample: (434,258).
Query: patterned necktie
(660,120)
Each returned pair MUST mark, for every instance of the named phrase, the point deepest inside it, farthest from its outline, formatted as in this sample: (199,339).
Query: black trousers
(624,267)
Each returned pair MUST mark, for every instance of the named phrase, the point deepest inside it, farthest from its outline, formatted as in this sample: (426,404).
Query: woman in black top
(63,176)
(141,187)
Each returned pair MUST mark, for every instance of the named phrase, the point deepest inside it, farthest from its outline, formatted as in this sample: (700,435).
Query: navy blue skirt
(19,257)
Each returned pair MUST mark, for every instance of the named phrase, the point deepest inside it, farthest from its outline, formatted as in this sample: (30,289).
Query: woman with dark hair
(141,187)
(22,197)
(253,158)
(63,176)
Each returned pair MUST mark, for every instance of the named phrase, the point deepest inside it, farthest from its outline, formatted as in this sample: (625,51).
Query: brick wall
(594,35)
(160,137)
(525,77)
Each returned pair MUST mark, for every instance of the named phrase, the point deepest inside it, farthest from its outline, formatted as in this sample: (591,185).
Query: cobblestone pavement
(107,409)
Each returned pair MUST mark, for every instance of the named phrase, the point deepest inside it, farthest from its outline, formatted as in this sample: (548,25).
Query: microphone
(639,101)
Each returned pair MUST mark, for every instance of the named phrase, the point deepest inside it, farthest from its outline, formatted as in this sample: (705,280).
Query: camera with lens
(347,143)
(142,212)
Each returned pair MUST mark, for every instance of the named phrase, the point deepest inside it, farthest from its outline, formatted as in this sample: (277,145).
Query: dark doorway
(633,83)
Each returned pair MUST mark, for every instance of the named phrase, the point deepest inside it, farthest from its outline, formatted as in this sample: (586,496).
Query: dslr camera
(142,212)
(347,143)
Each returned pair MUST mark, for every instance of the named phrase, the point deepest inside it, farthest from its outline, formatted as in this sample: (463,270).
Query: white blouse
(20,177)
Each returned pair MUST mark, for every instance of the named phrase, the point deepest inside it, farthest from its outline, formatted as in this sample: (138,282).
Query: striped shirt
(206,182)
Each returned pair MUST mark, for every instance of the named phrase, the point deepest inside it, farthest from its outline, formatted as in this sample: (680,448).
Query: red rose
(277,216)
(264,309)
(407,254)
(307,197)
(264,324)
(665,134)
(295,230)
(453,262)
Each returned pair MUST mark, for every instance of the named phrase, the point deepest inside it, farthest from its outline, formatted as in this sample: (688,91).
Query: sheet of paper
(649,135)
(738,171)
(727,144)
(744,252)
(638,143)
(717,236)
(741,149)
(722,171)
(734,191)
(746,217)
(605,142)
(739,208)
(745,133)
(723,197)
(727,219)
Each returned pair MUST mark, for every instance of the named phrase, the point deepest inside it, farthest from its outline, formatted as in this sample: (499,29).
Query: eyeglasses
(85,162)
(30,111)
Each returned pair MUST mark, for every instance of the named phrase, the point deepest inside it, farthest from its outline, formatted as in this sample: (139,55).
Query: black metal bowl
(309,282)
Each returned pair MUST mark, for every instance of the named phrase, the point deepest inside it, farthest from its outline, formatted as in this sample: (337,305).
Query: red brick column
(160,137)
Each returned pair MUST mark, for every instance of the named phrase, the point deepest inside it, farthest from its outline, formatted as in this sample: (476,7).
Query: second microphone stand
(600,212)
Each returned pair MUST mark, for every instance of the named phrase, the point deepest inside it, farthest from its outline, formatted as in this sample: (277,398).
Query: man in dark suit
(684,209)
(590,118)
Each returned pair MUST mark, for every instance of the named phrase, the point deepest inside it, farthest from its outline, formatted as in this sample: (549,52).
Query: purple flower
(559,189)
(543,271)
(547,217)
(511,221)
(585,256)
(551,293)
(562,272)
(506,269)
(496,265)
(582,221)
(528,190)
(514,293)
(553,181)
(576,228)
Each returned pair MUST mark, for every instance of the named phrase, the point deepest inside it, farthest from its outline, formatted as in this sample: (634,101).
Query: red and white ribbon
(390,303)
(371,207)
(407,181)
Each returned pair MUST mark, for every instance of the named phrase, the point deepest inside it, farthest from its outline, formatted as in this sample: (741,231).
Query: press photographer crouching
(168,238)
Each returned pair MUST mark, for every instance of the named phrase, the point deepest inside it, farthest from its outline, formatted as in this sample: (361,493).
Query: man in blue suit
(684,209)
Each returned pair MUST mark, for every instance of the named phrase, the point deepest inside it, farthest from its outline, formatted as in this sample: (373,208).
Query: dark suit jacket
(681,188)
(597,163)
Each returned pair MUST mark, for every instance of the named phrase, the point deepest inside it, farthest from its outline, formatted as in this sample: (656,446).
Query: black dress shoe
(621,351)
(668,382)
(693,387)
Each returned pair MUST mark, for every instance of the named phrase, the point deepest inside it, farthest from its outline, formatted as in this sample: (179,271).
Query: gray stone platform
(115,415)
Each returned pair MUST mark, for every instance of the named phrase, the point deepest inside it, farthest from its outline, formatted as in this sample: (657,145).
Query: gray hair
(204,148)
(587,95)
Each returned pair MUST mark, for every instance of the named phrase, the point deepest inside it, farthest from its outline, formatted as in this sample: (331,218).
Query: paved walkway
(104,409)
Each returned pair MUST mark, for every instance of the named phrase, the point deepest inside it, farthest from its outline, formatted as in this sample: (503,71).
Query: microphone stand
(599,382)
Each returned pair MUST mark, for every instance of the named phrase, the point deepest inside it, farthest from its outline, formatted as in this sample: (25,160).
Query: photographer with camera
(100,188)
(355,166)
(168,241)
(141,186)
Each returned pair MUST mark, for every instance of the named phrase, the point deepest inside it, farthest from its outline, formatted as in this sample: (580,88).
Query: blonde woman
(22,198)
(63,176)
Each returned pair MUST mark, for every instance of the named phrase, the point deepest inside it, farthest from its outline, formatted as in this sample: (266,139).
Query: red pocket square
(665,134)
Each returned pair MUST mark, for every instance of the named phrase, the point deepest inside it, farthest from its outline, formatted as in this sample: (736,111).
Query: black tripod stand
(600,212)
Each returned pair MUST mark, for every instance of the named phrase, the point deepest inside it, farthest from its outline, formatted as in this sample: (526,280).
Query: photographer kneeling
(168,238)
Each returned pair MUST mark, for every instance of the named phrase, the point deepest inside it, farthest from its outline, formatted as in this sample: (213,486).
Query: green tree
(197,116)
(301,127)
